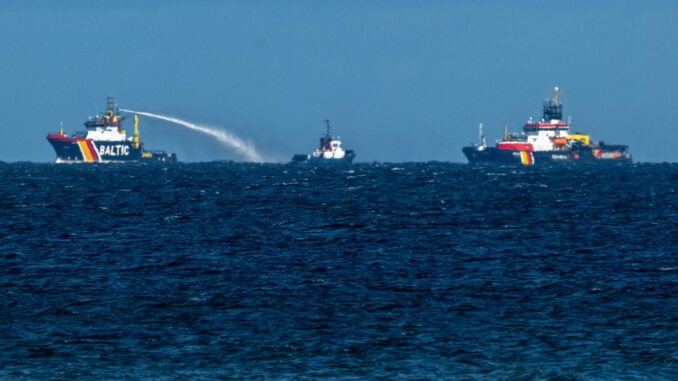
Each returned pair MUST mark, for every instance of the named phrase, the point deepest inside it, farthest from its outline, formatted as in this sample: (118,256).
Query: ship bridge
(107,127)
(551,118)
(541,135)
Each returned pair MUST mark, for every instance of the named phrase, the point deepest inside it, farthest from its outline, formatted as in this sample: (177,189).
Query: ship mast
(327,125)
(110,104)
(481,135)
(553,110)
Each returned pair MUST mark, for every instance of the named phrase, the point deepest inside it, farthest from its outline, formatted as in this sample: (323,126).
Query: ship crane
(135,137)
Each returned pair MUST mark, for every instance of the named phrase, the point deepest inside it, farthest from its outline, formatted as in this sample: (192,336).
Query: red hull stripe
(64,138)
(92,150)
(545,126)
(57,137)
(86,145)
(515,147)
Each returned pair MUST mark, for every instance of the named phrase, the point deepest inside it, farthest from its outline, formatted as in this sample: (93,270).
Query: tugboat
(330,151)
(546,141)
(105,141)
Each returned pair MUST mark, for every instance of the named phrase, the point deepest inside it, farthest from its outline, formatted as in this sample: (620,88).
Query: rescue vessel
(105,141)
(329,152)
(547,141)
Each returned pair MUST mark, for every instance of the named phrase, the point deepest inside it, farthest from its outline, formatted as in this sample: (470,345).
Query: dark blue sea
(382,271)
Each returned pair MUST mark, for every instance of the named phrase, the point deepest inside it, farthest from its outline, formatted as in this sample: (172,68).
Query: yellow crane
(135,140)
(583,139)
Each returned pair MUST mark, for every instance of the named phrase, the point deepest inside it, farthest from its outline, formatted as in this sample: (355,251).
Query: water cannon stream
(245,149)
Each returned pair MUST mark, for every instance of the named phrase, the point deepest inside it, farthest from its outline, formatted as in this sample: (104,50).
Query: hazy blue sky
(401,80)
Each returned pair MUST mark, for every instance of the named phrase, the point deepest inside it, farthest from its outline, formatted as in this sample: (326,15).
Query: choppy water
(415,271)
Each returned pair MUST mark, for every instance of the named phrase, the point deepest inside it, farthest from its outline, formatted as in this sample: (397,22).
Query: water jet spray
(245,149)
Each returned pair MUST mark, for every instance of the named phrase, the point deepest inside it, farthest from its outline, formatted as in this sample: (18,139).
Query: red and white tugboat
(546,141)
(330,151)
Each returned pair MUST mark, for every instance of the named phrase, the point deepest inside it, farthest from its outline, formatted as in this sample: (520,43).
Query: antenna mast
(481,135)
(110,104)
(327,124)
(553,110)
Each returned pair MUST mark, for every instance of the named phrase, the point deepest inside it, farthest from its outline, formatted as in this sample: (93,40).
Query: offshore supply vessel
(329,152)
(547,141)
(105,141)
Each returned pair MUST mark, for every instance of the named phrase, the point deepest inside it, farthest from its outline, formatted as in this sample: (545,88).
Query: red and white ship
(547,141)
(105,141)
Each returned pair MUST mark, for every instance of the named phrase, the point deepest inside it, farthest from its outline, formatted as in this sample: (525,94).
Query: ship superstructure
(104,141)
(330,151)
(545,141)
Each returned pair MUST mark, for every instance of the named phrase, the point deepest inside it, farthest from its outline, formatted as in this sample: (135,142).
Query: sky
(400,80)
